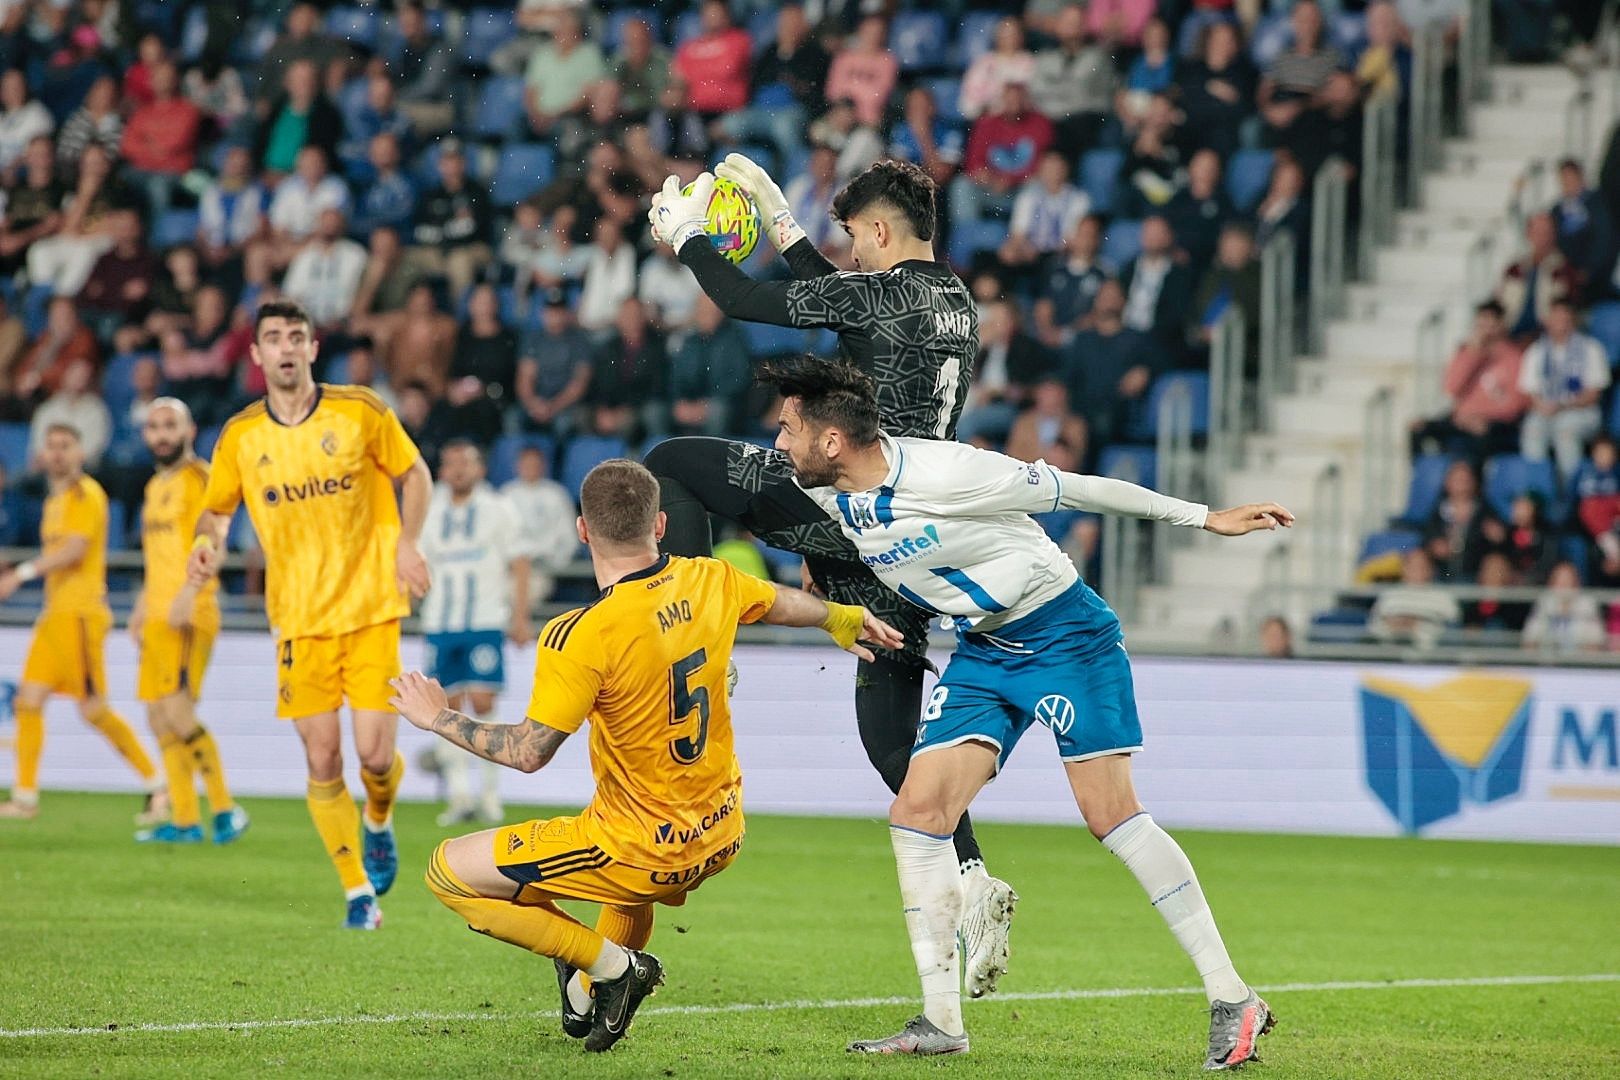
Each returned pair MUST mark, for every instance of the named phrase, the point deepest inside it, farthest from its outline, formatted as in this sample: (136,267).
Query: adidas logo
(264,459)
(513,842)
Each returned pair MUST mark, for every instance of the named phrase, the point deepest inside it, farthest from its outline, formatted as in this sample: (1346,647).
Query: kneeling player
(646,663)
(174,625)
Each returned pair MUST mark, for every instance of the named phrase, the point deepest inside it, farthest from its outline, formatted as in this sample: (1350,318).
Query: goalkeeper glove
(677,218)
(768,198)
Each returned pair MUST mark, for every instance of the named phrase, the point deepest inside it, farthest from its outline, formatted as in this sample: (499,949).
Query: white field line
(797,1006)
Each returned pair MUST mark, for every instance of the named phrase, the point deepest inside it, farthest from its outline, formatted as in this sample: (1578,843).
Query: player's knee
(664,459)
(924,815)
(1105,811)
(31,696)
(324,762)
(482,701)
(443,883)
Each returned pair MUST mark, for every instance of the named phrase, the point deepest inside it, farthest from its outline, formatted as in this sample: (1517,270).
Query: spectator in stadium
(1385,65)
(1119,22)
(641,68)
(626,395)
(425,69)
(231,210)
(559,261)
(175,290)
(215,87)
(64,259)
(78,404)
(1531,545)
(865,71)
(1154,168)
(547,512)
(160,141)
(483,370)
(387,280)
(560,72)
(1158,288)
(1331,129)
(1564,373)
(809,196)
(1563,620)
(1595,497)
(710,374)
(1006,61)
(1461,528)
(379,114)
(1009,364)
(1585,235)
(601,121)
(797,61)
(22,118)
(714,65)
(669,291)
(31,206)
(1218,90)
(303,41)
(1150,74)
(11,512)
(1108,368)
(1199,212)
(1003,150)
(414,344)
(1276,638)
(1489,615)
(325,277)
(65,341)
(300,200)
(1284,209)
(1417,612)
(13,344)
(1065,292)
(1482,381)
(387,198)
(1537,280)
(120,284)
(207,384)
(1297,75)
(922,138)
(425,419)
(97,120)
(609,279)
(1044,212)
(856,144)
(299,118)
(1232,281)
(1072,84)
(554,369)
(1047,426)
(453,223)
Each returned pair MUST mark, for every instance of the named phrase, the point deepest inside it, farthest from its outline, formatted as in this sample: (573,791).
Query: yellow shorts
(555,860)
(317,674)
(173,660)
(67,655)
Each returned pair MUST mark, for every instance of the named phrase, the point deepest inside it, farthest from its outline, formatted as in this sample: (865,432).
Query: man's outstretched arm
(526,746)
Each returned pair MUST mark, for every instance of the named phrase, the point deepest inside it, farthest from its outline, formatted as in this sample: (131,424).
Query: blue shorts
(1063,665)
(467,659)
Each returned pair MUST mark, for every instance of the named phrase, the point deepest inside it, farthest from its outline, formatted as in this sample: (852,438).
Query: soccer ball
(733,222)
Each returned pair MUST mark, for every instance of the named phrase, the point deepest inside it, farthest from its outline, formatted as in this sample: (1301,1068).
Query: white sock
(1162,867)
(931,894)
(579,998)
(610,963)
(489,773)
(453,771)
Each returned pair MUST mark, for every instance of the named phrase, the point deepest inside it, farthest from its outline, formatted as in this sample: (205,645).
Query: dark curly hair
(830,392)
(897,184)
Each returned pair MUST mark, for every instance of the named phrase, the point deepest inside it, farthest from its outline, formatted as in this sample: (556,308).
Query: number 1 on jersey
(682,700)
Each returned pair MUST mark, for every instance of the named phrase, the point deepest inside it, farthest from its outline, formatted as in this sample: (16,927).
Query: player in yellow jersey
(174,625)
(317,467)
(646,664)
(65,656)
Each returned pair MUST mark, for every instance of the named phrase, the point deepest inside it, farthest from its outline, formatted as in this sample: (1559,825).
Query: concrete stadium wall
(1256,746)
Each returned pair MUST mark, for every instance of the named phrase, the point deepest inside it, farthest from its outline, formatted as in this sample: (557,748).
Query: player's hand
(1240,520)
(677,218)
(203,564)
(411,570)
(768,198)
(418,698)
(521,631)
(878,632)
(180,612)
(8,583)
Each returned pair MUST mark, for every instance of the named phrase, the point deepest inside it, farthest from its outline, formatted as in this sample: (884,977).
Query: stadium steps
(1212,588)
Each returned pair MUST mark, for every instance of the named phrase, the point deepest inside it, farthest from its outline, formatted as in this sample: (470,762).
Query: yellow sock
(30,744)
(124,740)
(337,820)
(630,927)
(542,928)
(381,789)
(205,757)
(177,767)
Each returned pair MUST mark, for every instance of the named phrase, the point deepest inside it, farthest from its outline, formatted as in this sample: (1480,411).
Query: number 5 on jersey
(682,700)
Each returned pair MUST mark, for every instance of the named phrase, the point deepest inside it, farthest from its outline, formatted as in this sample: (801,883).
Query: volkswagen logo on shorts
(1056,712)
(484,658)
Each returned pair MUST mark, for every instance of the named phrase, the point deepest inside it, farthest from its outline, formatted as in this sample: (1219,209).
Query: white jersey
(469,549)
(949,527)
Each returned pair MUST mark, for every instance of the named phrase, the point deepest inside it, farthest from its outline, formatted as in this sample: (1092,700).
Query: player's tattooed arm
(526,746)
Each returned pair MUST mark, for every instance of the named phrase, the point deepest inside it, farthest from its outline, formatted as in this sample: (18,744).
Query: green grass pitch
(204,946)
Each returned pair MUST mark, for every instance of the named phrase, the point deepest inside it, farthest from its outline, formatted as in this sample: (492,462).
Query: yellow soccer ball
(733,221)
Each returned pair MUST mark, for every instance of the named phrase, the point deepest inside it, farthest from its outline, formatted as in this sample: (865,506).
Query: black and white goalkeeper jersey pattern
(914,328)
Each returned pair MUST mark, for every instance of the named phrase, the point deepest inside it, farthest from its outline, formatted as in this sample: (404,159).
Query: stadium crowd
(458,195)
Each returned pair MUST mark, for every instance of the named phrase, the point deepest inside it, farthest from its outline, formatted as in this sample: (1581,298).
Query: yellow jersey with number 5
(320,492)
(646,664)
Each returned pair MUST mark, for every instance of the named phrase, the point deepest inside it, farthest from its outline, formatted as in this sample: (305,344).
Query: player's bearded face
(803,446)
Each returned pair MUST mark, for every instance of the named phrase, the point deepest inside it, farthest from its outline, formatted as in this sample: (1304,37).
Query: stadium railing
(1330,193)
(1278,340)
(1379,142)
(1380,460)
(1226,421)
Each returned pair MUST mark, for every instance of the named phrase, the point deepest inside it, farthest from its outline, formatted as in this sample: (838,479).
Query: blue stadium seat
(762,28)
(767,340)
(524,169)
(1248,174)
(335,369)
(1507,476)
(1603,323)
(1428,478)
(488,28)
(968,238)
(613,33)
(1099,177)
(207,437)
(1272,34)
(351,100)
(357,25)
(1347,32)
(499,110)
(117,525)
(1122,241)
(947,94)
(14,448)
(918,39)
(977,36)
(1138,464)
(688,25)
(1577,550)
(1614,415)
(773,96)
(174,227)
(1389,541)
(194,33)
(503,456)
(35,302)
(1195,383)
(1191,34)
(584,454)
(761,154)
(118,382)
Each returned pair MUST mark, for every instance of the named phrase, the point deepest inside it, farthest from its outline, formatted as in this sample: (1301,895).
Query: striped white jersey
(469,547)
